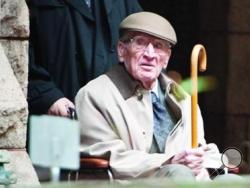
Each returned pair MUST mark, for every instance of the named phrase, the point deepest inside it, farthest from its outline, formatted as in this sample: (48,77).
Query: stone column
(14,32)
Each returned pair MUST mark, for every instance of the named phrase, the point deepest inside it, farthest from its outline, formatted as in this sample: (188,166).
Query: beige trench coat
(116,120)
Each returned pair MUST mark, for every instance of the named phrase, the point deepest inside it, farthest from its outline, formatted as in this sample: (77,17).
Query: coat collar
(128,86)
(81,7)
(109,5)
(171,87)
(123,81)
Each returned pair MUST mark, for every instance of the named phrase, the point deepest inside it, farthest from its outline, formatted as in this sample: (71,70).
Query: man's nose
(150,51)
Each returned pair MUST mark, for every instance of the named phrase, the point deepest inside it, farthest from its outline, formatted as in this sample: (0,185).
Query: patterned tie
(163,122)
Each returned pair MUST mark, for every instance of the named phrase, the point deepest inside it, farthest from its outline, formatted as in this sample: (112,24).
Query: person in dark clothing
(71,42)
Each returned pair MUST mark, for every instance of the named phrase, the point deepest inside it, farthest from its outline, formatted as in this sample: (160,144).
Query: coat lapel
(140,116)
(81,7)
(123,81)
(108,4)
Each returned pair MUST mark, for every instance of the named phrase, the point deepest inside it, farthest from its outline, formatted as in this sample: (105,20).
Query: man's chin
(148,76)
(147,80)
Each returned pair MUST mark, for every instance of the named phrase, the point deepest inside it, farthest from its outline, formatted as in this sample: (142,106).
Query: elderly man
(137,117)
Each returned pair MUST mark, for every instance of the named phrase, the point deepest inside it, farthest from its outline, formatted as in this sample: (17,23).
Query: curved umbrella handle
(198,56)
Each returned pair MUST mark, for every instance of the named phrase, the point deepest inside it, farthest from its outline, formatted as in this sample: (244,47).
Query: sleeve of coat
(99,138)
(42,92)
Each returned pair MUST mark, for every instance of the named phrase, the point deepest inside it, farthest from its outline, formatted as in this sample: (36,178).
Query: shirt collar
(155,88)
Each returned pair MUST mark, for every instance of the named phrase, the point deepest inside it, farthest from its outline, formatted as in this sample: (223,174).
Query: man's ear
(167,59)
(121,51)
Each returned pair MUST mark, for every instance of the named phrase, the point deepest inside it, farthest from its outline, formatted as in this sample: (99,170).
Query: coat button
(139,94)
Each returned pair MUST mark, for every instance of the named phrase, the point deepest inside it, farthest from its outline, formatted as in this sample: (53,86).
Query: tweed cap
(150,23)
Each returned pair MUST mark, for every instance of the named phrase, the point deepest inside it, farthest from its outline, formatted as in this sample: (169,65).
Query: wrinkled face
(144,57)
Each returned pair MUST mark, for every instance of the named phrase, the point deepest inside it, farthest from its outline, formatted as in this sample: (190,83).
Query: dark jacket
(70,45)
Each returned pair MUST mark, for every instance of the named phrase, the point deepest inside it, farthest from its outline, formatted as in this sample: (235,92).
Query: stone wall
(14,32)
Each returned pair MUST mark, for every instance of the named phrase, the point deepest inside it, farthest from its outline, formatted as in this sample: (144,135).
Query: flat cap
(150,23)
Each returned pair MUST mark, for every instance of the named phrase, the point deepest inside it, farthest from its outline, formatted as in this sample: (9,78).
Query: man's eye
(140,41)
(158,45)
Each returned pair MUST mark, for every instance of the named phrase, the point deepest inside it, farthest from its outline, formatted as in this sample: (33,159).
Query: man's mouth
(147,66)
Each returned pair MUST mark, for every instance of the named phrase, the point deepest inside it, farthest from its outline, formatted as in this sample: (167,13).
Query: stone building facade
(14,33)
